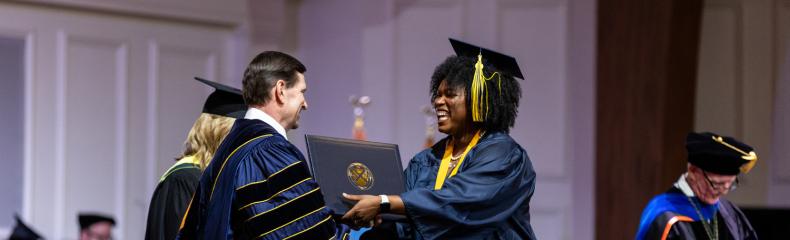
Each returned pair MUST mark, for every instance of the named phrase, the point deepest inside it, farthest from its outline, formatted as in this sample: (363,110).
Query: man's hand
(366,212)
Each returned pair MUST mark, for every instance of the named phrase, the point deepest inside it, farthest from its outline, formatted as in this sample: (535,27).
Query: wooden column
(647,60)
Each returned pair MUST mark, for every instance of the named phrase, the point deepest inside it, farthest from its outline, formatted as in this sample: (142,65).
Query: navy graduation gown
(671,216)
(258,187)
(487,199)
(170,201)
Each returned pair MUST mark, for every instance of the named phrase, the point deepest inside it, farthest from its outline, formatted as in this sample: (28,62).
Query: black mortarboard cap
(502,62)
(22,231)
(88,219)
(719,154)
(225,100)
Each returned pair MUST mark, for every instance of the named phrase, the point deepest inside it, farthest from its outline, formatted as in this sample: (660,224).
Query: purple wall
(12,114)
(329,45)
(389,49)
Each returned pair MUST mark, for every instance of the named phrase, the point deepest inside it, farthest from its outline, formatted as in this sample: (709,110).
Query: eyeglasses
(721,186)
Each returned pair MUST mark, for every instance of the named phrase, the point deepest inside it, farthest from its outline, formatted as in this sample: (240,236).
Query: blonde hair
(205,137)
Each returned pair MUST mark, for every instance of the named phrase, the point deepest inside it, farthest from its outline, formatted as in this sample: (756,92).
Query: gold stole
(448,154)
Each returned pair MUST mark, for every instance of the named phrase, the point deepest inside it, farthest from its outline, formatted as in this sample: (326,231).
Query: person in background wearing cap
(258,186)
(95,227)
(477,182)
(693,207)
(177,185)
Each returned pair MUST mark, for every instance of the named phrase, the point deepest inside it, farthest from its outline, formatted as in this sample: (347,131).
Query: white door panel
(110,100)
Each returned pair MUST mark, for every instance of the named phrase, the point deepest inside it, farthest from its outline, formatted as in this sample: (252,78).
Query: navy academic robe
(671,216)
(258,187)
(487,199)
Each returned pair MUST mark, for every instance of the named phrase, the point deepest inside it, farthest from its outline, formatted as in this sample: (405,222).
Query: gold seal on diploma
(360,176)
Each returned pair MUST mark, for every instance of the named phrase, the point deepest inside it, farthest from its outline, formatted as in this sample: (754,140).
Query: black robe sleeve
(169,203)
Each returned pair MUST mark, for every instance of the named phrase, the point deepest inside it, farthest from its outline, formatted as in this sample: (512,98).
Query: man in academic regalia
(693,207)
(177,185)
(95,226)
(258,185)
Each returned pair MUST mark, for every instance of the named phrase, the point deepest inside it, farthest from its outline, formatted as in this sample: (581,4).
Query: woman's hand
(366,212)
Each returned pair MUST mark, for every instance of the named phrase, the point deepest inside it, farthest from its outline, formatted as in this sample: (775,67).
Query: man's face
(295,102)
(97,231)
(708,186)
(450,105)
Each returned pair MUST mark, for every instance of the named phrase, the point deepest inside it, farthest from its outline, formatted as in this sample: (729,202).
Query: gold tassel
(751,156)
(480,91)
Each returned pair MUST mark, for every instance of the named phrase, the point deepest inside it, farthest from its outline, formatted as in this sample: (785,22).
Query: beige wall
(738,67)
(779,174)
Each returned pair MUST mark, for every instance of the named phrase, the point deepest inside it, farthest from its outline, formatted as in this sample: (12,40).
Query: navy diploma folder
(353,167)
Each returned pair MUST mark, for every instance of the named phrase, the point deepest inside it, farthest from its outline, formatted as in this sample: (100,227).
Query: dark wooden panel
(647,59)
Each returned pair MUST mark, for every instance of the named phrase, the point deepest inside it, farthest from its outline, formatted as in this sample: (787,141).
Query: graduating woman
(477,182)
(177,185)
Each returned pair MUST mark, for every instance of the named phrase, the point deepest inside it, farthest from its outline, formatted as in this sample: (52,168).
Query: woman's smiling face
(450,105)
